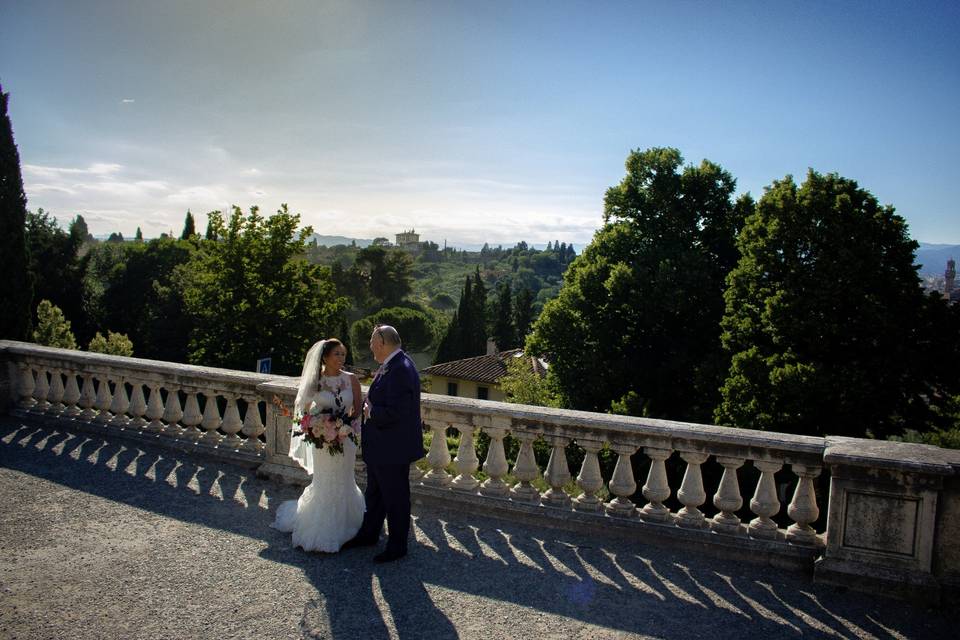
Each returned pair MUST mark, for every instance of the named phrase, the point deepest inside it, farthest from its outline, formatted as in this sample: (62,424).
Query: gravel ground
(104,539)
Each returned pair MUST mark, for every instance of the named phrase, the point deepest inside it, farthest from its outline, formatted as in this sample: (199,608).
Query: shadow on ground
(465,576)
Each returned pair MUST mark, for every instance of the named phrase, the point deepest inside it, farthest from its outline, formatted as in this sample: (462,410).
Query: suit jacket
(393,434)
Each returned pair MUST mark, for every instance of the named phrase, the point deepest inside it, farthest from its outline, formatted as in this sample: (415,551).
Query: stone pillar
(495,464)
(691,493)
(728,498)
(764,502)
(622,484)
(525,470)
(466,461)
(882,516)
(656,489)
(589,480)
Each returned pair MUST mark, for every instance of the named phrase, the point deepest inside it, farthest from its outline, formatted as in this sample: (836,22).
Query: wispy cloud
(128,101)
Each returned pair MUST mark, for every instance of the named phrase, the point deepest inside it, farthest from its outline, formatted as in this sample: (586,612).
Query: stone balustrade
(218,410)
(891,509)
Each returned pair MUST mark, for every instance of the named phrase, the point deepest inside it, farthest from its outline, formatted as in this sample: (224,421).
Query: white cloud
(128,101)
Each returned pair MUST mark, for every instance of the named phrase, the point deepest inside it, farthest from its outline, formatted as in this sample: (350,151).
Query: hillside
(932,258)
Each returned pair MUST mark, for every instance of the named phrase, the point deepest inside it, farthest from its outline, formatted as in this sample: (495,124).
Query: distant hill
(932,258)
(332,241)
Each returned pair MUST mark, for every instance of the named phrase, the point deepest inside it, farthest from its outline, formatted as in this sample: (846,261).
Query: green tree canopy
(189,227)
(418,329)
(826,323)
(53,329)
(16,286)
(115,344)
(134,288)
(636,323)
(251,294)
(56,268)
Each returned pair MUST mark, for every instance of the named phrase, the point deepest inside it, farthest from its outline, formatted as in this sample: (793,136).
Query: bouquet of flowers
(325,427)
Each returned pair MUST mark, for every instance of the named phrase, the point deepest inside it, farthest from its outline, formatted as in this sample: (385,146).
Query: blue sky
(469,121)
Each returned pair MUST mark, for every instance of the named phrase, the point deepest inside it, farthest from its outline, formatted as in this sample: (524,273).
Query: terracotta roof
(488,368)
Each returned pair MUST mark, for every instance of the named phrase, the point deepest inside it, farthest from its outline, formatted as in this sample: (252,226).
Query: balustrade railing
(216,408)
(740,491)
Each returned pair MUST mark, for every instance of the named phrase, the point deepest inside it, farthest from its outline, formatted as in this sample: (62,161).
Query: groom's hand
(366,409)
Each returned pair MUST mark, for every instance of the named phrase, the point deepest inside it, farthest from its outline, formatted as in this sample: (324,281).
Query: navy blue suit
(392,438)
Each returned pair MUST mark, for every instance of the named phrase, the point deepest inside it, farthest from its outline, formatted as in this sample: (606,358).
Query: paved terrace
(105,538)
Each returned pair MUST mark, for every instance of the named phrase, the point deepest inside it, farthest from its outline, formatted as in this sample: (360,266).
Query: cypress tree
(189,228)
(16,288)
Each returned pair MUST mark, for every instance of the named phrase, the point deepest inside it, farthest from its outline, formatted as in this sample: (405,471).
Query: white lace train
(330,509)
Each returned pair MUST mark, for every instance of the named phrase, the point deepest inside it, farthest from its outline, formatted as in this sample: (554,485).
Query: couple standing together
(331,513)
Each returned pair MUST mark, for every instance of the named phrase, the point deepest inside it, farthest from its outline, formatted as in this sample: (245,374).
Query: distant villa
(408,240)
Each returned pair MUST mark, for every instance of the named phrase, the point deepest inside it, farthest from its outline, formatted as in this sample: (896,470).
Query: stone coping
(896,456)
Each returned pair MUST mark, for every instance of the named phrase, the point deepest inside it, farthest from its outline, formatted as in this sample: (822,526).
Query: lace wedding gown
(330,509)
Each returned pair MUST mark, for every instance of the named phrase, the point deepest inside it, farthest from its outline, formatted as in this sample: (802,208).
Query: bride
(330,509)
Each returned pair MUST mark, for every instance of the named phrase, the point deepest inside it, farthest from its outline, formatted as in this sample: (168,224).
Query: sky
(470,122)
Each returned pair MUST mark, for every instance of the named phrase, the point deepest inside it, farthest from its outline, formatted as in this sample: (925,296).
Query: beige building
(408,239)
(476,377)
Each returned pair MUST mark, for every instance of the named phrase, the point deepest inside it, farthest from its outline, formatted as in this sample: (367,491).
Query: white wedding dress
(330,509)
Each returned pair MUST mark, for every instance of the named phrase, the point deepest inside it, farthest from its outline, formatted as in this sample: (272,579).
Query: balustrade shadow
(469,577)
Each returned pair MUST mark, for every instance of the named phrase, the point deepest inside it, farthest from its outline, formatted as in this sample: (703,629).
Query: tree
(418,329)
(636,323)
(251,294)
(139,236)
(382,276)
(53,329)
(522,313)
(521,385)
(135,289)
(56,268)
(501,313)
(79,230)
(211,233)
(16,286)
(189,228)
(826,325)
(116,344)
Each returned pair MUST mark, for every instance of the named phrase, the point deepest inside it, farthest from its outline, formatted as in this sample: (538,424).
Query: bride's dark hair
(329,345)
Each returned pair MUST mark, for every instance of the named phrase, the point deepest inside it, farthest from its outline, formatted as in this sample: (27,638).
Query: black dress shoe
(388,556)
(357,542)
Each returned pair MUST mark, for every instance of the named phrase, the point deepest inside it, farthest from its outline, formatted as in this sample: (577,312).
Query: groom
(392,438)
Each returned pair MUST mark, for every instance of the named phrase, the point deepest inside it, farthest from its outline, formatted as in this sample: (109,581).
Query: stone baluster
(231,424)
(40,392)
(589,479)
(622,484)
(728,498)
(495,466)
(138,406)
(765,503)
(558,473)
(104,400)
(55,394)
(466,461)
(691,493)
(656,489)
(211,420)
(803,507)
(26,387)
(154,410)
(438,457)
(71,395)
(252,425)
(525,470)
(172,413)
(88,398)
(192,417)
(120,405)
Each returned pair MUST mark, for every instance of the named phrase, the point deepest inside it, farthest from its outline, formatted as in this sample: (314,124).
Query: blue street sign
(263,365)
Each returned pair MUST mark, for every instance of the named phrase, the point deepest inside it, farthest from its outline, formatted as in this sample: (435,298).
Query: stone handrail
(892,508)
